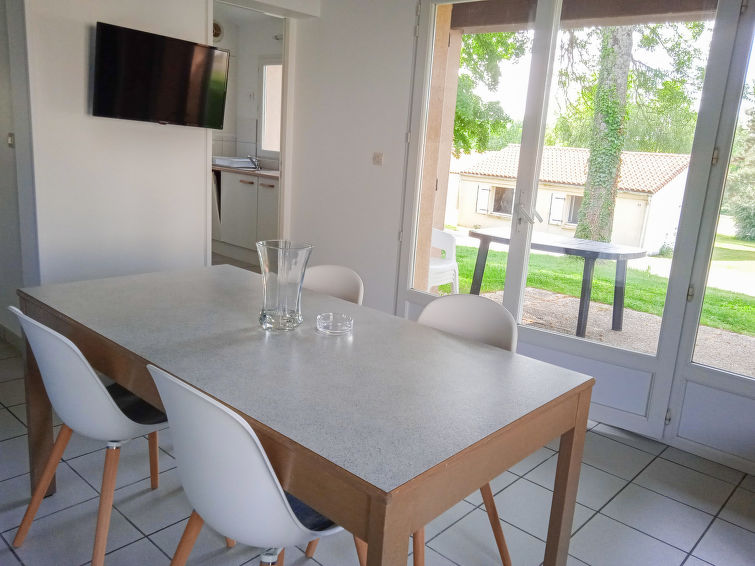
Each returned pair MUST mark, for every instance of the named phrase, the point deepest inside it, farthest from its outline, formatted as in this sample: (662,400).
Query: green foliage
(645,292)
(743,207)
(739,193)
(477,122)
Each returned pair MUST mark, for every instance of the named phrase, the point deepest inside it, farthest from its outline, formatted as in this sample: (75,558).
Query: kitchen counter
(266,173)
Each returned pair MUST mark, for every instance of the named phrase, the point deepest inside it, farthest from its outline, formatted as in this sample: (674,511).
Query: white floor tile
(692,561)
(20,412)
(15,495)
(142,552)
(702,465)
(6,556)
(531,462)
(442,522)
(571,561)
(11,368)
(596,487)
(133,464)
(165,440)
(499,483)
(554,444)
(675,523)
(432,558)
(471,542)
(740,509)
(80,445)
(151,510)
(605,542)
(633,440)
(336,550)
(749,483)
(613,457)
(727,545)
(528,506)
(7,351)
(688,486)
(210,548)
(14,457)
(10,426)
(12,392)
(67,537)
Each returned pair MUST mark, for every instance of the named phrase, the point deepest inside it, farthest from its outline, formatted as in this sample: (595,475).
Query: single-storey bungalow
(648,203)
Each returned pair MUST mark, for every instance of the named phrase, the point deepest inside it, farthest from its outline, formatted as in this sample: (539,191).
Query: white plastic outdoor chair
(229,481)
(111,414)
(483,320)
(335,280)
(443,269)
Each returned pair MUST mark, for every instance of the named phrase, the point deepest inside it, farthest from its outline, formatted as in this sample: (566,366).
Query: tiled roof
(641,172)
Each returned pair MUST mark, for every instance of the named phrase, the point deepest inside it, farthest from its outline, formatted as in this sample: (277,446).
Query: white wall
(663,216)
(224,141)
(112,196)
(352,91)
(10,240)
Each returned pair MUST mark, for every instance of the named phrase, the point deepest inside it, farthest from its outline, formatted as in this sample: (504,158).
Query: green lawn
(645,292)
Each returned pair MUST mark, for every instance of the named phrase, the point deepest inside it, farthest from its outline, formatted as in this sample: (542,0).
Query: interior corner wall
(353,79)
(10,239)
(112,196)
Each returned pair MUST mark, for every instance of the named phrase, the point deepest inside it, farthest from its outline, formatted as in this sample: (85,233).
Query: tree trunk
(607,136)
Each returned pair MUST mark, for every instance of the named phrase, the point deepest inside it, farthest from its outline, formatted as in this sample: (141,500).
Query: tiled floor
(639,503)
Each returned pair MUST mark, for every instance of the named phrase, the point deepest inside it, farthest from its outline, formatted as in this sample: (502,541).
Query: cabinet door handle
(267,185)
(246,182)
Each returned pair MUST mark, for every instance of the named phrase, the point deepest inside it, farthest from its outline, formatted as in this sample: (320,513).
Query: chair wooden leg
(311,547)
(229,542)
(281,558)
(418,547)
(361,550)
(495,523)
(188,538)
(39,493)
(112,454)
(154,460)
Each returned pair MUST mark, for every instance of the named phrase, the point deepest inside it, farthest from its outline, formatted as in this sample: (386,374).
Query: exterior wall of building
(629,216)
(663,216)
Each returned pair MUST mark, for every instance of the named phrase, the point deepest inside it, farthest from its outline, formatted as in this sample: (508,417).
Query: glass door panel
(473,115)
(621,120)
(726,328)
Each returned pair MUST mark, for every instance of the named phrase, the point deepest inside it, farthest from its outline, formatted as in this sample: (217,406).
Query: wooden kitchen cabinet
(238,209)
(267,209)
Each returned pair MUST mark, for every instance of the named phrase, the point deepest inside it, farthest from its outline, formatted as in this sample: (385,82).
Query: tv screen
(149,77)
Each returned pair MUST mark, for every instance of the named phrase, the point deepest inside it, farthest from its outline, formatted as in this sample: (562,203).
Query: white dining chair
(229,481)
(443,269)
(111,414)
(483,320)
(335,280)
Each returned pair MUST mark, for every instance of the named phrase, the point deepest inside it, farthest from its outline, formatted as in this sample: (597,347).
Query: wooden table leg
(39,422)
(618,294)
(388,536)
(479,267)
(584,297)
(565,487)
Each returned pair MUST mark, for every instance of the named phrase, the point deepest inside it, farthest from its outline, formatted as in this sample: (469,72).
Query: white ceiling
(238,14)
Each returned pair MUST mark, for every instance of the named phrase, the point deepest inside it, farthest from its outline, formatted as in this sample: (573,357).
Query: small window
(270,124)
(574,203)
(503,200)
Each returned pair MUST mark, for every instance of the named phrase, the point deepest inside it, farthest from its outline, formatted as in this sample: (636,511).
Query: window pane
(621,118)
(272,85)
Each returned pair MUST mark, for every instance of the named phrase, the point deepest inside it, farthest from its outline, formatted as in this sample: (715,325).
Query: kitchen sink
(238,162)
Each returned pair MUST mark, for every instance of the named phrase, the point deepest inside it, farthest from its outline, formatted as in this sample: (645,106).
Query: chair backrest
(335,280)
(76,393)
(224,469)
(472,317)
(445,242)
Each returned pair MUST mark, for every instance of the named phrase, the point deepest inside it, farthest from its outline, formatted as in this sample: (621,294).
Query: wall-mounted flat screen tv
(153,78)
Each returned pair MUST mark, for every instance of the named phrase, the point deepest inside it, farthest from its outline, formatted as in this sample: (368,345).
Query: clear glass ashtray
(334,323)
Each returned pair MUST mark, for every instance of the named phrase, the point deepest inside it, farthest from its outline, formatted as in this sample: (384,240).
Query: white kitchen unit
(247,205)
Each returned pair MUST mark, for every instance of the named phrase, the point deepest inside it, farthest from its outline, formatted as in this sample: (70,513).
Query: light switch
(377,158)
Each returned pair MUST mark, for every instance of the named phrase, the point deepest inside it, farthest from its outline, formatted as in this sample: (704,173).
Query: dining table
(589,250)
(381,430)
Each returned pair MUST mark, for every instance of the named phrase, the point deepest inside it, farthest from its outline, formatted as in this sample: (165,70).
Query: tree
(477,121)
(739,194)
(607,135)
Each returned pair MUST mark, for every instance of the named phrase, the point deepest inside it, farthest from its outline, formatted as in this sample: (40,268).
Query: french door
(658,204)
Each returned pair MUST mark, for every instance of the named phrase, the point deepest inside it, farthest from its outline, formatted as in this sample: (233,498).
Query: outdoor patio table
(381,430)
(588,249)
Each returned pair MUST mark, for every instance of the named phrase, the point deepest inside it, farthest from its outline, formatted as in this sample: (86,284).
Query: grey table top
(386,403)
(564,245)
